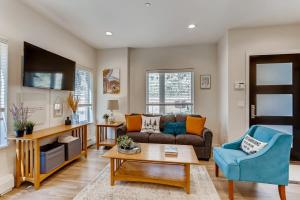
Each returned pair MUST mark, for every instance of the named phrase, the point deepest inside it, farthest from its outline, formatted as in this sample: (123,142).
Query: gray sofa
(202,144)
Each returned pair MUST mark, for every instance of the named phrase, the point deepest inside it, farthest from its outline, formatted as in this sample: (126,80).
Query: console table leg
(112,172)
(36,164)
(187,178)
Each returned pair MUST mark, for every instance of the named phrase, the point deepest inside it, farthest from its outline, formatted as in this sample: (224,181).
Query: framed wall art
(205,81)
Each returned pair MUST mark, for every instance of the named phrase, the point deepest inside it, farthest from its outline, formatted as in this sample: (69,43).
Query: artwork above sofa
(201,141)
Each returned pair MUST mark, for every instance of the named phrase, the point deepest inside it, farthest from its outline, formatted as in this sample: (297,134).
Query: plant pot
(20,133)
(106,121)
(29,131)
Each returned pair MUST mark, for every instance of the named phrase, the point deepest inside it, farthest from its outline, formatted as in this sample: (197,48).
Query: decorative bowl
(134,149)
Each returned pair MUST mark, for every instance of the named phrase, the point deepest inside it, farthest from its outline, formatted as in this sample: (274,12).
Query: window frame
(3,135)
(90,71)
(163,71)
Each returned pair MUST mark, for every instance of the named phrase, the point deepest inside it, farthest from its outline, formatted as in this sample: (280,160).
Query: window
(83,90)
(169,92)
(3,91)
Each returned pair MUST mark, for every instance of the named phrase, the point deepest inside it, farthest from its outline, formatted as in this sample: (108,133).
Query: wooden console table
(101,134)
(28,152)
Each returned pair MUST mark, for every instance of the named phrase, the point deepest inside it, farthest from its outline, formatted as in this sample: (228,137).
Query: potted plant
(29,127)
(73,104)
(19,127)
(124,142)
(105,117)
(20,115)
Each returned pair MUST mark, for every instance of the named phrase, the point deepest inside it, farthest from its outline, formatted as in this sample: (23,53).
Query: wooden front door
(275,94)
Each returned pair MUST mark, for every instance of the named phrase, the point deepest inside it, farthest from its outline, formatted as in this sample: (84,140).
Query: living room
(214,76)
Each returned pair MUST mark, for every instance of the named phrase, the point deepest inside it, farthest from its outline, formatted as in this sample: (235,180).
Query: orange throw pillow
(195,125)
(133,123)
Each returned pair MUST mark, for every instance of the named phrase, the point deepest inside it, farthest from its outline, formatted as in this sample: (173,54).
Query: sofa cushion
(166,118)
(133,122)
(161,138)
(175,128)
(195,125)
(182,117)
(188,139)
(138,136)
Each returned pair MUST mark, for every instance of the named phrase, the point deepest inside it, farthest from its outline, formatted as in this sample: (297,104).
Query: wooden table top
(48,132)
(115,124)
(155,153)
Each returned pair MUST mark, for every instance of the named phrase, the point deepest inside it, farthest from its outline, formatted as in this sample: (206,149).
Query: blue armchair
(270,165)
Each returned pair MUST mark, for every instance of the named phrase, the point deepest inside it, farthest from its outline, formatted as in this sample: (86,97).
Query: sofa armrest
(121,131)
(207,136)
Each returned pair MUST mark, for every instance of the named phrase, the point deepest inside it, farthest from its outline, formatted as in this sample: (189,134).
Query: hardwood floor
(67,182)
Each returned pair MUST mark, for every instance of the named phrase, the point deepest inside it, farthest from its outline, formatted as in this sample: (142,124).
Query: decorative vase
(20,133)
(75,118)
(29,131)
(106,120)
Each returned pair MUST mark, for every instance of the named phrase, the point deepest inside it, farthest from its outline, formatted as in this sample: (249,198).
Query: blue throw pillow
(174,128)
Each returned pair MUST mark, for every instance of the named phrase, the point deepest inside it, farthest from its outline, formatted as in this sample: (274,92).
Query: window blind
(83,90)
(3,90)
(169,92)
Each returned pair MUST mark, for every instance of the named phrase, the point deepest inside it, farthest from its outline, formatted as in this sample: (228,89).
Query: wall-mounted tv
(44,69)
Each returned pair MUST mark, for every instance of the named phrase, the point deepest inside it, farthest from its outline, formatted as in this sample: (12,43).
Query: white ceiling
(164,23)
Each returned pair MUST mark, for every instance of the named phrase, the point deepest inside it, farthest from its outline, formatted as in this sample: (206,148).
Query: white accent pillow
(251,145)
(150,124)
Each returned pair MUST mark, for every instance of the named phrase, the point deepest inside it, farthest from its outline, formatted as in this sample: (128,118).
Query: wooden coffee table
(152,166)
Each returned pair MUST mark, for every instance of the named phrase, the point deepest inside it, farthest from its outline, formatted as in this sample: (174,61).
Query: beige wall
(112,59)
(18,23)
(223,87)
(241,44)
(202,58)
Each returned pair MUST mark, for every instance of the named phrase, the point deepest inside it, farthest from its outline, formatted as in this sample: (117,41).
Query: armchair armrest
(207,135)
(233,145)
(270,165)
(237,143)
(121,130)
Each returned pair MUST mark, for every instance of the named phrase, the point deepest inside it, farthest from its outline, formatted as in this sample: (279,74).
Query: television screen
(43,69)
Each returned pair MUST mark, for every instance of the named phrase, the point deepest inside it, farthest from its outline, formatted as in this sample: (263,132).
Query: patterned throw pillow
(150,124)
(251,145)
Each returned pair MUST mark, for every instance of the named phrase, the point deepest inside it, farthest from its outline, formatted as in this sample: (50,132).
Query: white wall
(223,87)
(251,41)
(203,58)
(19,23)
(112,59)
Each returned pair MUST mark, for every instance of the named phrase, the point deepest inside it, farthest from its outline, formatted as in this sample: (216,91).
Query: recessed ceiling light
(108,33)
(191,26)
(148,4)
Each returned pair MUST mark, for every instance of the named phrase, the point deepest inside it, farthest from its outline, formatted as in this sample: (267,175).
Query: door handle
(253,112)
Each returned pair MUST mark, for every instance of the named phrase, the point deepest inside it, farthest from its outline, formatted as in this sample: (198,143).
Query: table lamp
(112,105)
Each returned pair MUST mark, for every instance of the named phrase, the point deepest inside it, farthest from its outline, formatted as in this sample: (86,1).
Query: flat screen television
(44,69)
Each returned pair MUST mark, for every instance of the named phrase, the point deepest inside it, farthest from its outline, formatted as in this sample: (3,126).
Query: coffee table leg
(112,172)
(187,178)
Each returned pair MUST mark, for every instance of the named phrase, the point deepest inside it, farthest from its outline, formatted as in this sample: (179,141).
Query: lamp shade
(112,105)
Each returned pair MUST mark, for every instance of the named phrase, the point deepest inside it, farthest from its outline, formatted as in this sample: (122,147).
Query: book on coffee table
(171,151)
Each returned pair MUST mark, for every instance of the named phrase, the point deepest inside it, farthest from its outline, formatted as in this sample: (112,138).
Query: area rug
(202,187)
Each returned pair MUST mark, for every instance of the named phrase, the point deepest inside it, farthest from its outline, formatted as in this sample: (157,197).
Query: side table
(101,134)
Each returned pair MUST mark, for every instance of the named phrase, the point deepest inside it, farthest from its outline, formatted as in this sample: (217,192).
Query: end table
(101,134)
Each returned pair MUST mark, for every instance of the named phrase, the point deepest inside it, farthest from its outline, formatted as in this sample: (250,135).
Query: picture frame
(111,81)
(205,81)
